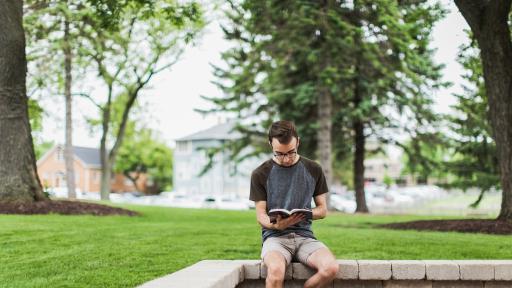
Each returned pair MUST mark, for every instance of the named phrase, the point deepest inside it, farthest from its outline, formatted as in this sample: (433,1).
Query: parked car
(225,202)
(343,202)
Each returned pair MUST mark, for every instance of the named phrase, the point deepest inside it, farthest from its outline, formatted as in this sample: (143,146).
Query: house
(224,177)
(87,165)
(377,168)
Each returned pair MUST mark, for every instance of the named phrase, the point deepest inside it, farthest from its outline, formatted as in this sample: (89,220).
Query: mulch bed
(487,226)
(63,207)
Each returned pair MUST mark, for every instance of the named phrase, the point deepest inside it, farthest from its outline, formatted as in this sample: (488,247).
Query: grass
(89,251)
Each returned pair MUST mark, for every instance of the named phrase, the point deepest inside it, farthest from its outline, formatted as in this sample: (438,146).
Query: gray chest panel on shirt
(290,188)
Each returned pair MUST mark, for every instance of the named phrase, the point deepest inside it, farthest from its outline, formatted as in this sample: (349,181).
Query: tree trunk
(488,22)
(106,174)
(106,167)
(358,124)
(108,158)
(359,167)
(324,136)
(19,181)
(68,151)
(359,142)
(133,180)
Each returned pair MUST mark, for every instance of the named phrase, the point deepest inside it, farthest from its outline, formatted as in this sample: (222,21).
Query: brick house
(52,171)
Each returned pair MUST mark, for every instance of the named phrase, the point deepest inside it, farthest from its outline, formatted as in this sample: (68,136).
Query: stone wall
(352,273)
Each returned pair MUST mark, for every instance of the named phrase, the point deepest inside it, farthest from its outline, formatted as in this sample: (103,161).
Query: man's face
(285,154)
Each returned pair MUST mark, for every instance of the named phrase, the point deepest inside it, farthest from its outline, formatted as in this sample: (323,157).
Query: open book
(287,213)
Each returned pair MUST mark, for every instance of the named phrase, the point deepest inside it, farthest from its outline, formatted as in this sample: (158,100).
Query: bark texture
(488,22)
(19,181)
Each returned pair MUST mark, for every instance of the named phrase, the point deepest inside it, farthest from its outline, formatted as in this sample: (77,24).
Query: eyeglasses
(281,156)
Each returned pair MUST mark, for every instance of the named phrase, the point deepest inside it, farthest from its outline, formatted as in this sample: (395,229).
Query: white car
(343,203)
(184,201)
(225,202)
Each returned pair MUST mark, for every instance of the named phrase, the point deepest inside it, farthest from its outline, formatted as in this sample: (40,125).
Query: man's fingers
(297,218)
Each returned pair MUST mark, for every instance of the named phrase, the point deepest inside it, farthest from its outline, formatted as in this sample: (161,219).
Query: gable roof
(88,156)
(222,131)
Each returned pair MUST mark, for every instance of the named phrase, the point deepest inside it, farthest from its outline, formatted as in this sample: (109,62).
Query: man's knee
(276,266)
(329,270)
(276,271)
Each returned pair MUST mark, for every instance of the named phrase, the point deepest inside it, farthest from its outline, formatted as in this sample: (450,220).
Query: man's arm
(281,224)
(320,211)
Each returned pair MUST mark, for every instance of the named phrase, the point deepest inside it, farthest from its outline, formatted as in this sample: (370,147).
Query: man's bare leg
(325,263)
(276,267)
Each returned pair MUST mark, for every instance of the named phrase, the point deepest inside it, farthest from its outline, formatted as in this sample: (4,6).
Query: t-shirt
(288,187)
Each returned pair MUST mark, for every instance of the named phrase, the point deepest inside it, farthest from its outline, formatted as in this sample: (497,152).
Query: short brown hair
(283,131)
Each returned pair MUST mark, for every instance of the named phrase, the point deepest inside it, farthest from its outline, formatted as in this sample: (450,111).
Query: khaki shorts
(292,246)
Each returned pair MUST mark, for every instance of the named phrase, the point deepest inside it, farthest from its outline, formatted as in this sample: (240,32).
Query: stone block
(441,270)
(407,270)
(498,284)
(457,284)
(476,270)
(503,270)
(301,271)
(357,284)
(407,284)
(251,268)
(349,269)
(374,269)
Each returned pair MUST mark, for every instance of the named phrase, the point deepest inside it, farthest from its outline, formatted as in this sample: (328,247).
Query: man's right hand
(283,223)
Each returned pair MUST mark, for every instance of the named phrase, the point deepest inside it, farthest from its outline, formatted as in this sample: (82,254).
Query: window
(184,146)
(60,154)
(60,179)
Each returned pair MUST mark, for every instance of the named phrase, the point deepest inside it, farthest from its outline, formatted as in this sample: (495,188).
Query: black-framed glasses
(281,156)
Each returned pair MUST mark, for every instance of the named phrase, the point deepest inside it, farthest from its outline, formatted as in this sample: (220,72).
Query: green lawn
(88,251)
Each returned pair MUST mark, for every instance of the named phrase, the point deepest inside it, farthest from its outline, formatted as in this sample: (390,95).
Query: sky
(174,94)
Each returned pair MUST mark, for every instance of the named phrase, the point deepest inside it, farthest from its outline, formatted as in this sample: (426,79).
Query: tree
(488,21)
(475,163)
(426,157)
(19,181)
(52,29)
(147,42)
(143,153)
(356,70)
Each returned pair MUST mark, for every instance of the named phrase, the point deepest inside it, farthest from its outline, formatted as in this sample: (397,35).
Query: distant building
(51,169)
(224,177)
(376,169)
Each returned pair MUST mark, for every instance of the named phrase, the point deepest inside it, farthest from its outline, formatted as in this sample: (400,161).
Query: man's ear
(298,142)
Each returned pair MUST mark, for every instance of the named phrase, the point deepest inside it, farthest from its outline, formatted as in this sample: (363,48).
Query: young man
(290,181)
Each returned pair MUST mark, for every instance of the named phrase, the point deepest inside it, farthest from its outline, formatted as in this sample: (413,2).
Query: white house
(224,177)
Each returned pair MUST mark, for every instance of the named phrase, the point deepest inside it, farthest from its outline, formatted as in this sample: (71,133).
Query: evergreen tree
(475,161)
(354,69)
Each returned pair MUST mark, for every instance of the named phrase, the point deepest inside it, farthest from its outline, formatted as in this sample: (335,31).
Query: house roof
(222,131)
(90,156)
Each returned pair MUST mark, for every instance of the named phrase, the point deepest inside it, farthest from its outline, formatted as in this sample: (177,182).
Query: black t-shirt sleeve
(258,190)
(318,174)
(321,183)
